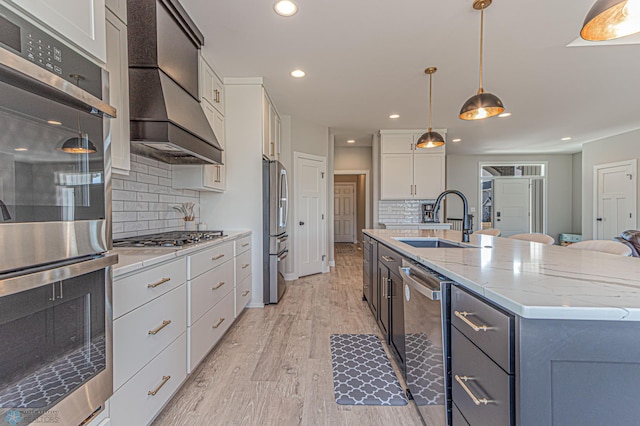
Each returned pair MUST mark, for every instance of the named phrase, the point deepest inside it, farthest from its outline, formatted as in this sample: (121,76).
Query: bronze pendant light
(482,105)
(78,144)
(430,139)
(611,19)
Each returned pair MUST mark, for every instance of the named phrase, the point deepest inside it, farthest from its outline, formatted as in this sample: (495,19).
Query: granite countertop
(131,259)
(531,279)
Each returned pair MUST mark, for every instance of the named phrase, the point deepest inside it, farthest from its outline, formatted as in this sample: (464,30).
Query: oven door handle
(427,285)
(53,86)
(41,277)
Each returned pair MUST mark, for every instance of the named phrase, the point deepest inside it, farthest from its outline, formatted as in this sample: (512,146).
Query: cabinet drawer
(488,382)
(243,294)
(496,341)
(143,333)
(243,244)
(206,332)
(243,266)
(208,259)
(389,258)
(206,290)
(133,405)
(136,290)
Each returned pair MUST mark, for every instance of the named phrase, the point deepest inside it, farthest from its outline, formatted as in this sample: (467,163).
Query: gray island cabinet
(534,335)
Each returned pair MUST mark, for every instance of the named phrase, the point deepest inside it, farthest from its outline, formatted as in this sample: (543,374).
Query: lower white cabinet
(243,294)
(205,332)
(208,289)
(146,393)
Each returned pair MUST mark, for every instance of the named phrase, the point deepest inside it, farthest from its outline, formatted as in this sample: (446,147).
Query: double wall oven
(55,278)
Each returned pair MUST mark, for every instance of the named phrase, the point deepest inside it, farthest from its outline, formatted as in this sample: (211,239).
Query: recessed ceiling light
(21,149)
(285,8)
(456,140)
(351,141)
(566,138)
(298,73)
(394,116)
(54,122)
(504,114)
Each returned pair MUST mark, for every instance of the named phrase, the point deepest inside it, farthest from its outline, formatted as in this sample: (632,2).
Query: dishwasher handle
(425,283)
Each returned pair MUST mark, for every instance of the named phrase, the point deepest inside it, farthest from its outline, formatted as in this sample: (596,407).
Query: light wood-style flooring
(274,366)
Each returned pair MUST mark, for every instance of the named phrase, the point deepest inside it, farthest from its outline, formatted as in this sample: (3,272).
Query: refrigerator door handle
(282,256)
(284,200)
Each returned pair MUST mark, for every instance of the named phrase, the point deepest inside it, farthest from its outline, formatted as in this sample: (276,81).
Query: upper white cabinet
(409,172)
(207,177)
(80,22)
(119,8)
(118,67)
(270,129)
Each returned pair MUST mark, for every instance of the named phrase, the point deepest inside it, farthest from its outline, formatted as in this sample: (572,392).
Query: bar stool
(535,238)
(603,246)
(489,231)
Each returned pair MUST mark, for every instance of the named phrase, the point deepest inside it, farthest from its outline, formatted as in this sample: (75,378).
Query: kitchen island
(566,345)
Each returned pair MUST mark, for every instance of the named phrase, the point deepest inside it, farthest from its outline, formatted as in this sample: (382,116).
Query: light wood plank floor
(274,366)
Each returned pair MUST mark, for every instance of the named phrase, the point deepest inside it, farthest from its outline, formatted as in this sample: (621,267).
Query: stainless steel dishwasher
(423,319)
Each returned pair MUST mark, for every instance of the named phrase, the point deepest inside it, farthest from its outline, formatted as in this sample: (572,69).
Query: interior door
(310,241)
(512,204)
(344,212)
(615,189)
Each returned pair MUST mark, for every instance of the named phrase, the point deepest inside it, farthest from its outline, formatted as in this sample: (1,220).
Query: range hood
(166,119)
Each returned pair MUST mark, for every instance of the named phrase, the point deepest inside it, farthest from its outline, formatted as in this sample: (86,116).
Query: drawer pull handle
(217,286)
(220,321)
(245,266)
(160,327)
(462,380)
(388,259)
(245,244)
(156,284)
(463,316)
(245,293)
(220,256)
(165,379)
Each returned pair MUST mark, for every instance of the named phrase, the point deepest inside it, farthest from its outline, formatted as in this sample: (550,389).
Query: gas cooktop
(173,239)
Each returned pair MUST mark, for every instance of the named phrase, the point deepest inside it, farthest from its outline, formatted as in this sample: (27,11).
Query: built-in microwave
(54,148)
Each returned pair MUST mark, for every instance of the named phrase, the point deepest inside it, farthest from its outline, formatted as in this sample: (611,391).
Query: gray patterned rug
(425,370)
(362,373)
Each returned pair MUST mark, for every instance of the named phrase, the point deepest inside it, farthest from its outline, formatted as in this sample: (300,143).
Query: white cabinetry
(149,341)
(118,67)
(119,8)
(80,22)
(409,172)
(243,280)
(270,129)
(207,177)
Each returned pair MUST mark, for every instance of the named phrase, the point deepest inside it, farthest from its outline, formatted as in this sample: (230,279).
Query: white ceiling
(365,60)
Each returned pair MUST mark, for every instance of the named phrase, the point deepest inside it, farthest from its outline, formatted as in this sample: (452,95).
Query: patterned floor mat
(425,370)
(345,248)
(362,373)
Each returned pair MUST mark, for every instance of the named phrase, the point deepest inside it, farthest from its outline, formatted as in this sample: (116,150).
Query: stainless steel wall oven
(55,204)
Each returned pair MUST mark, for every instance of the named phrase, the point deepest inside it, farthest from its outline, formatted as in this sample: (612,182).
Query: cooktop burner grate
(173,239)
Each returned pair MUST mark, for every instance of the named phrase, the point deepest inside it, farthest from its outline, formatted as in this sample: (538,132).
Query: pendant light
(79,144)
(482,105)
(611,19)
(430,139)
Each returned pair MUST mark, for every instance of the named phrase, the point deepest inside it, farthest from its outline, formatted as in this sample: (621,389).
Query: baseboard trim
(290,276)
(332,263)
(255,305)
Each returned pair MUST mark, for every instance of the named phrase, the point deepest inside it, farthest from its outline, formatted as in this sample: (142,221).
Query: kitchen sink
(433,243)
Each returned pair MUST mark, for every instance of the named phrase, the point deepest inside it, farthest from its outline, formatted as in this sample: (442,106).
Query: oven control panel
(33,43)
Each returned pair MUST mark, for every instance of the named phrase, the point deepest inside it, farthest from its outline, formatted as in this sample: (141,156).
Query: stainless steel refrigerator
(275,208)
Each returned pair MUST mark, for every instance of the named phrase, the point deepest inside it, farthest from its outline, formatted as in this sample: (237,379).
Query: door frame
(353,185)
(297,156)
(634,194)
(367,188)
(544,176)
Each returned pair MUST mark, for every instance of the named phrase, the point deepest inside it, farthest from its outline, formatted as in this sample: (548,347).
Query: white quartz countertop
(132,259)
(531,279)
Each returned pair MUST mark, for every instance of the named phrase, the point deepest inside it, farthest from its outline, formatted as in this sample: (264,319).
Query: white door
(310,192)
(511,201)
(615,188)
(344,206)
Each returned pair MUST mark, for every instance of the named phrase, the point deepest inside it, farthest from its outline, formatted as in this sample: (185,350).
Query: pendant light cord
(481,89)
(430,98)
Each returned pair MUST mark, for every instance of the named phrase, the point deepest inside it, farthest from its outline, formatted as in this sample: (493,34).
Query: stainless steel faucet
(466,224)
(5,211)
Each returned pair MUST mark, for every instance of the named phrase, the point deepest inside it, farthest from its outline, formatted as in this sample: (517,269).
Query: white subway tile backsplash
(143,201)
(400,211)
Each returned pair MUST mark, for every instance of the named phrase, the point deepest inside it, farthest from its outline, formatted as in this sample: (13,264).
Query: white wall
(625,146)
(463,172)
(576,201)
(356,158)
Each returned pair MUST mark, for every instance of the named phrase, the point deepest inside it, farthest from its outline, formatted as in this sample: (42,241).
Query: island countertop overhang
(531,280)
